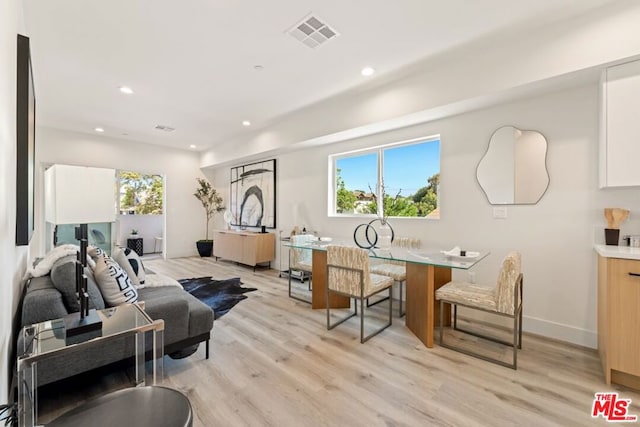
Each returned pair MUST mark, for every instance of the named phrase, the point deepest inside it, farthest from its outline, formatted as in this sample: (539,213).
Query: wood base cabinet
(244,247)
(619,320)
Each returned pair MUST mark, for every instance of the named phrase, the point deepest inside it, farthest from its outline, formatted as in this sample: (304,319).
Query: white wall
(148,226)
(555,236)
(478,74)
(184,214)
(12,259)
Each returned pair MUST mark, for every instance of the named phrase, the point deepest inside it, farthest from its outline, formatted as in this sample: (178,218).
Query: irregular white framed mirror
(513,171)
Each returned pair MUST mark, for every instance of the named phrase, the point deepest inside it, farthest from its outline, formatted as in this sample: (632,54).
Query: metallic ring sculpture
(369,228)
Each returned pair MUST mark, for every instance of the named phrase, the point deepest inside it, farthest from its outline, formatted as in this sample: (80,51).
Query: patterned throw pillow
(136,264)
(115,285)
(94,252)
(123,261)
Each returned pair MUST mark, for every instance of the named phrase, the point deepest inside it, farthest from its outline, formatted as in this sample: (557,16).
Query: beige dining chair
(348,275)
(397,270)
(300,260)
(504,299)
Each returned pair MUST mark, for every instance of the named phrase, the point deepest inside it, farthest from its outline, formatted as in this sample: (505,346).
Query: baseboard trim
(560,331)
(541,327)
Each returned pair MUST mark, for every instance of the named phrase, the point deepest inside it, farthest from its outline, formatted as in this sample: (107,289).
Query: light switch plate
(500,212)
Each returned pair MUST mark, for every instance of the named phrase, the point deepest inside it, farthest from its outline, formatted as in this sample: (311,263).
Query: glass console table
(427,270)
(48,339)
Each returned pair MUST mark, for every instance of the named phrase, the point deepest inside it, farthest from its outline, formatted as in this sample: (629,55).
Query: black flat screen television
(26,137)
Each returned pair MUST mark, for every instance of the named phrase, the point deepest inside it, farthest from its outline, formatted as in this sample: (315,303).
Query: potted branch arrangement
(212,204)
(384,231)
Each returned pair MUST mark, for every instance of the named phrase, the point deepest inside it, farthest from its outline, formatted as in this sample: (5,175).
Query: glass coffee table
(48,339)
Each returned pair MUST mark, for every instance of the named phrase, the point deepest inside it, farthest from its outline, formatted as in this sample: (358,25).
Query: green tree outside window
(141,193)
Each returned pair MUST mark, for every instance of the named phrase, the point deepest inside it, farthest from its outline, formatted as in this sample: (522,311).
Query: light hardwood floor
(273,363)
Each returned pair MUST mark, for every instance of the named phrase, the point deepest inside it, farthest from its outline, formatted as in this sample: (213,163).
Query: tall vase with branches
(212,203)
(383,206)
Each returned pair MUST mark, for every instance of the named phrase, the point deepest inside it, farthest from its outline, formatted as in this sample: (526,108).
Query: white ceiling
(191,63)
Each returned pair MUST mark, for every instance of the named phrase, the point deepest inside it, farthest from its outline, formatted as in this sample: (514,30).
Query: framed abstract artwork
(25,150)
(253,194)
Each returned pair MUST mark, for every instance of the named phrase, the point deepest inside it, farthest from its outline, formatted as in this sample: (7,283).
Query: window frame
(379,151)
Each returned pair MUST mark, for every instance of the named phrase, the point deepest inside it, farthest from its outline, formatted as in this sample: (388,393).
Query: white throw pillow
(123,261)
(136,264)
(114,283)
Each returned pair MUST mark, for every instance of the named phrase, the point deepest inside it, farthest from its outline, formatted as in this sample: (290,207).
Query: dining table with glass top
(427,270)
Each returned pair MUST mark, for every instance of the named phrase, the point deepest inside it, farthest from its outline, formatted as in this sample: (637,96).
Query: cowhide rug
(220,295)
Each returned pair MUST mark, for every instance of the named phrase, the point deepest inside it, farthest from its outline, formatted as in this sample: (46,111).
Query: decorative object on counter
(212,204)
(253,194)
(367,237)
(228,218)
(614,217)
(134,232)
(513,171)
(632,241)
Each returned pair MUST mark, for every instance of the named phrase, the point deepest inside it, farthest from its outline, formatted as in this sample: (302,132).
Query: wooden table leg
(318,290)
(422,312)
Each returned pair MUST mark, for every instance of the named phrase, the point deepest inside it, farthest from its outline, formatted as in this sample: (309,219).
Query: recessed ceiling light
(99,129)
(192,146)
(125,89)
(258,67)
(367,71)
(246,123)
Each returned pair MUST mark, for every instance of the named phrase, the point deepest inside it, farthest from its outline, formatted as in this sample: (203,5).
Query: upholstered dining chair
(505,299)
(300,260)
(348,274)
(397,270)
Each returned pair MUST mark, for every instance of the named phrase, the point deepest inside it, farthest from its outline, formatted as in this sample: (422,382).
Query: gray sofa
(187,320)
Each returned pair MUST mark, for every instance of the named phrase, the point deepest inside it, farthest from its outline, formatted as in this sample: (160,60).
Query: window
(406,176)
(140,193)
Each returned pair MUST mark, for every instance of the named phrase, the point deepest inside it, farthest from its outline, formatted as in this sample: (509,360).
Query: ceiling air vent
(165,128)
(312,31)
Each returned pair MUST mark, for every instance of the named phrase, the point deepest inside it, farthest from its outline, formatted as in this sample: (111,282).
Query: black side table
(135,244)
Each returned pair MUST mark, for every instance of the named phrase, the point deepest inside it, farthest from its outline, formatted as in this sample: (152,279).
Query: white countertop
(624,252)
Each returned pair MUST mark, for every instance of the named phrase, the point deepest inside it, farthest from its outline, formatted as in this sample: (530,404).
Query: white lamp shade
(79,195)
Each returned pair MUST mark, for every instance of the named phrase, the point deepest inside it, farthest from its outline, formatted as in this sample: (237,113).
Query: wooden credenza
(244,247)
(619,320)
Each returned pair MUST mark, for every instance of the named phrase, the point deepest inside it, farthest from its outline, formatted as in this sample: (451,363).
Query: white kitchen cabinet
(620,126)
